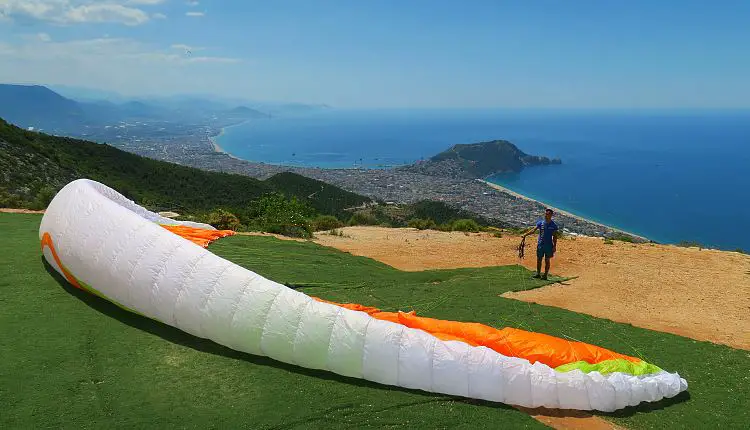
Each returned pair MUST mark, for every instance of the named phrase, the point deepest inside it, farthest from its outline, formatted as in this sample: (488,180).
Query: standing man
(547,242)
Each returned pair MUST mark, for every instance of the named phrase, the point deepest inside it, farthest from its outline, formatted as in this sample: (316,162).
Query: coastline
(558,210)
(215,144)
(344,177)
(214,140)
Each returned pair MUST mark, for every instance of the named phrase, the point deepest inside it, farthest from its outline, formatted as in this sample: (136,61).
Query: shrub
(43,198)
(441,212)
(363,218)
(326,222)
(274,213)
(622,237)
(223,220)
(517,230)
(690,244)
(422,224)
(337,232)
(303,230)
(466,225)
(446,226)
(10,201)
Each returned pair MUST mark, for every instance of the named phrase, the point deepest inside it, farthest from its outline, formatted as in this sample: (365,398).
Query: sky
(589,54)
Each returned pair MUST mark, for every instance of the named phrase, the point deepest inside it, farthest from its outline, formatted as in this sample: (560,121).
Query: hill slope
(42,108)
(35,165)
(479,160)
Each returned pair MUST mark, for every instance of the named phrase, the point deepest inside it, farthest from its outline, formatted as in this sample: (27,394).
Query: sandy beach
(215,139)
(558,210)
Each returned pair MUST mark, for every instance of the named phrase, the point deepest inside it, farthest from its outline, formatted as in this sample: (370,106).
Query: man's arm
(555,235)
(529,231)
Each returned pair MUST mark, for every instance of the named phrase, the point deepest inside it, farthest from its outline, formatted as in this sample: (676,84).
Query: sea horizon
(625,169)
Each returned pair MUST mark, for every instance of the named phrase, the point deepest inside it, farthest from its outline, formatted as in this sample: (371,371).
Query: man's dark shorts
(544,250)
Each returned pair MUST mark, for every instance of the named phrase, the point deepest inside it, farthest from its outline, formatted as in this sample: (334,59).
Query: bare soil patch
(20,211)
(570,420)
(701,294)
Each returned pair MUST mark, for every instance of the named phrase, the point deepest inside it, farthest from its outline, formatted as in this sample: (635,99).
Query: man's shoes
(544,277)
(536,275)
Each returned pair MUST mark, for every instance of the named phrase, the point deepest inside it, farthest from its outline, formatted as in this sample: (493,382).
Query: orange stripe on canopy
(47,242)
(199,236)
(550,350)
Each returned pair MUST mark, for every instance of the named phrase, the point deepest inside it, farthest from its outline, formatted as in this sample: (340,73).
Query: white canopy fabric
(118,250)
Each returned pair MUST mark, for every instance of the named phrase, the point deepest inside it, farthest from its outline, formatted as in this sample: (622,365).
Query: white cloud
(183,47)
(192,3)
(78,11)
(6,49)
(195,14)
(130,66)
(213,60)
(159,16)
(41,47)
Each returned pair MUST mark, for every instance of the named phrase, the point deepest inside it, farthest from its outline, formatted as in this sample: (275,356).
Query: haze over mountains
(42,108)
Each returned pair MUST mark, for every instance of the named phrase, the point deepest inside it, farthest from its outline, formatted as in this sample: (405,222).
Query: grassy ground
(71,360)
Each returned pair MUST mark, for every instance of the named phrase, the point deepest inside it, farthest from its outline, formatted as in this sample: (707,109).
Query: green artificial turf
(72,360)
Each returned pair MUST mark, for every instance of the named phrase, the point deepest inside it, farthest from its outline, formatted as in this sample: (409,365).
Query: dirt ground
(20,211)
(701,294)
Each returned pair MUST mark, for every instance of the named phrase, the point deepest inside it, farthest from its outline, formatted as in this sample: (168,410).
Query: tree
(274,213)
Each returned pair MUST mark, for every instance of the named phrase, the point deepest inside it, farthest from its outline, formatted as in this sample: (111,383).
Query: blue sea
(669,176)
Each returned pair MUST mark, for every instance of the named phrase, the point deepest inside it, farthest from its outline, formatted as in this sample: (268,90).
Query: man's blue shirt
(546,230)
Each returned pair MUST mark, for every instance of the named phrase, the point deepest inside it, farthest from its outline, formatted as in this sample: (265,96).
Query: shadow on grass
(622,413)
(648,407)
(177,336)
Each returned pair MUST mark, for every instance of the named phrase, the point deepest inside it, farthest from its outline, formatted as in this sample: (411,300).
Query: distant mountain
(246,112)
(140,110)
(479,160)
(83,94)
(101,112)
(188,103)
(38,106)
(287,109)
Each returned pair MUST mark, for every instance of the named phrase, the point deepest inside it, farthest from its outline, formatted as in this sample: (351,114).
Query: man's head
(548,214)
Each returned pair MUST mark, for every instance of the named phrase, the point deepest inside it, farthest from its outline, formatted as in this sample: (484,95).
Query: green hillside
(35,166)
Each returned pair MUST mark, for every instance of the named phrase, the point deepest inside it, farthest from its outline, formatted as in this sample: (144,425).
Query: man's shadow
(177,336)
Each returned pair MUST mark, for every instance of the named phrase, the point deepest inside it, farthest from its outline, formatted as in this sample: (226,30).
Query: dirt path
(701,294)
(570,420)
(20,211)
